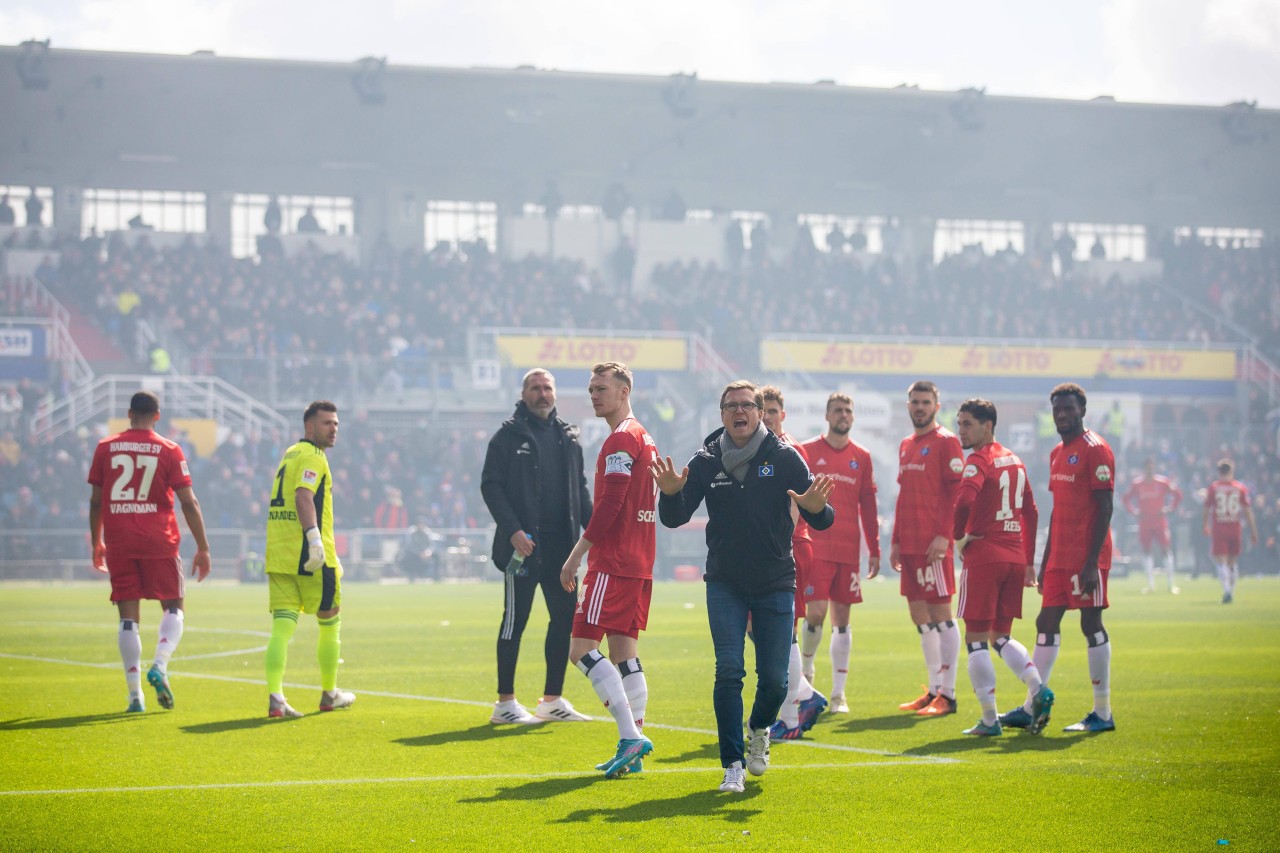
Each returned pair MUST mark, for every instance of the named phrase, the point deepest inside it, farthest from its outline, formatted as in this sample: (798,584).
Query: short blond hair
(616,369)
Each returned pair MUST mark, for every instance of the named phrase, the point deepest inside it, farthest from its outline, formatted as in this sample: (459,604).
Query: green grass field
(1194,765)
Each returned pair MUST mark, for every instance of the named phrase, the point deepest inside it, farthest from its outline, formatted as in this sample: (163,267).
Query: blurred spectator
(391,514)
(6,211)
(272,219)
(419,553)
(308,224)
(35,209)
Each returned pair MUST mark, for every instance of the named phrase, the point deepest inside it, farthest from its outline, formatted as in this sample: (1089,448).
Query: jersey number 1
(278,500)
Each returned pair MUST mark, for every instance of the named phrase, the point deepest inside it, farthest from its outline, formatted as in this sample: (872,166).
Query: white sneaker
(512,711)
(838,704)
(336,699)
(758,752)
(559,711)
(735,779)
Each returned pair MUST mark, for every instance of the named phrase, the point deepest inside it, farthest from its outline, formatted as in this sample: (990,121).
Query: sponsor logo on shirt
(1073,459)
(618,463)
(914,466)
(1063,478)
(523,449)
(924,451)
(853,463)
(186,472)
(957,465)
(971,470)
(310,477)
(821,461)
(1103,473)
(764,471)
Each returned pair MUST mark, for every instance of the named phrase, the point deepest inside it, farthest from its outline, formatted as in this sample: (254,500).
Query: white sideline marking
(833,747)
(403,780)
(99,625)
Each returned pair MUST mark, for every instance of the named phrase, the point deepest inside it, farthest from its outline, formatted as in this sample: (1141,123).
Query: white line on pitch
(834,747)
(407,780)
(99,625)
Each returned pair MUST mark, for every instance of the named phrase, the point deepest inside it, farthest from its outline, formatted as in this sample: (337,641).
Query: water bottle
(515,566)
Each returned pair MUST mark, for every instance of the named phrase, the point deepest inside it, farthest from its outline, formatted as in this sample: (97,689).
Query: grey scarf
(735,458)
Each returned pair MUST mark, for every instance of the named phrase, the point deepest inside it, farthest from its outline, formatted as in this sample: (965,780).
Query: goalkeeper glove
(315,550)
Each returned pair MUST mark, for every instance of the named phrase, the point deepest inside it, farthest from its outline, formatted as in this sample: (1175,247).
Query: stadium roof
(215,124)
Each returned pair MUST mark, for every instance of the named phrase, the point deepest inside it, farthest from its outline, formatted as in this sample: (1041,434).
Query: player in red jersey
(833,574)
(995,523)
(1077,554)
(619,546)
(1226,502)
(803,704)
(929,465)
(135,475)
(1151,498)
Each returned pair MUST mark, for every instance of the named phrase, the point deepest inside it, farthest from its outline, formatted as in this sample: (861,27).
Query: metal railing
(33,295)
(181,396)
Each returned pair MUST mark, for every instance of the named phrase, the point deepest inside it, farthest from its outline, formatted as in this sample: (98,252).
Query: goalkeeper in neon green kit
(303,570)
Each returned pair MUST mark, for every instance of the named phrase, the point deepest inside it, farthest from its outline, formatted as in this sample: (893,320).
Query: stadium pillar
(68,210)
(217,217)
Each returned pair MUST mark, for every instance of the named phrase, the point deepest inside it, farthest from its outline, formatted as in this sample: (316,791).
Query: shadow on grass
(221,726)
(21,723)
(537,790)
(1017,742)
(698,804)
(484,731)
(887,723)
(705,752)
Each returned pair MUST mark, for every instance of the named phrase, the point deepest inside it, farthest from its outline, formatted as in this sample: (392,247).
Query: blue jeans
(772,618)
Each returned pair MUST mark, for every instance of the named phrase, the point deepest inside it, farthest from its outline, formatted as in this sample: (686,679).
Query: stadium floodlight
(33,65)
(368,80)
(680,95)
(1240,122)
(968,110)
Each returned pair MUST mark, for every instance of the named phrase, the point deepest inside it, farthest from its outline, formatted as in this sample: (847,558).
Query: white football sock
(1014,654)
(1100,673)
(1150,565)
(607,682)
(130,642)
(1044,657)
(810,637)
(929,640)
(841,643)
(1224,576)
(982,675)
(948,656)
(636,688)
(170,635)
(795,674)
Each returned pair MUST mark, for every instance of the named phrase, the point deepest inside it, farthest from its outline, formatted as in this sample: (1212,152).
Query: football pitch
(1194,764)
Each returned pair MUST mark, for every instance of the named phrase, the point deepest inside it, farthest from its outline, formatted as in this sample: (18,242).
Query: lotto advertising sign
(573,352)
(1011,368)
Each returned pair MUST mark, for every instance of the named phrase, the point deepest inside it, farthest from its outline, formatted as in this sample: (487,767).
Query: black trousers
(518,603)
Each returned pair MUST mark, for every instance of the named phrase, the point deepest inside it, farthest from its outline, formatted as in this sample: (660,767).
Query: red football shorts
(991,594)
(1062,589)
(1153,535)
(834,582)
(156,578)
(1226,540)
(802,550)
(609,604)
(933,583)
